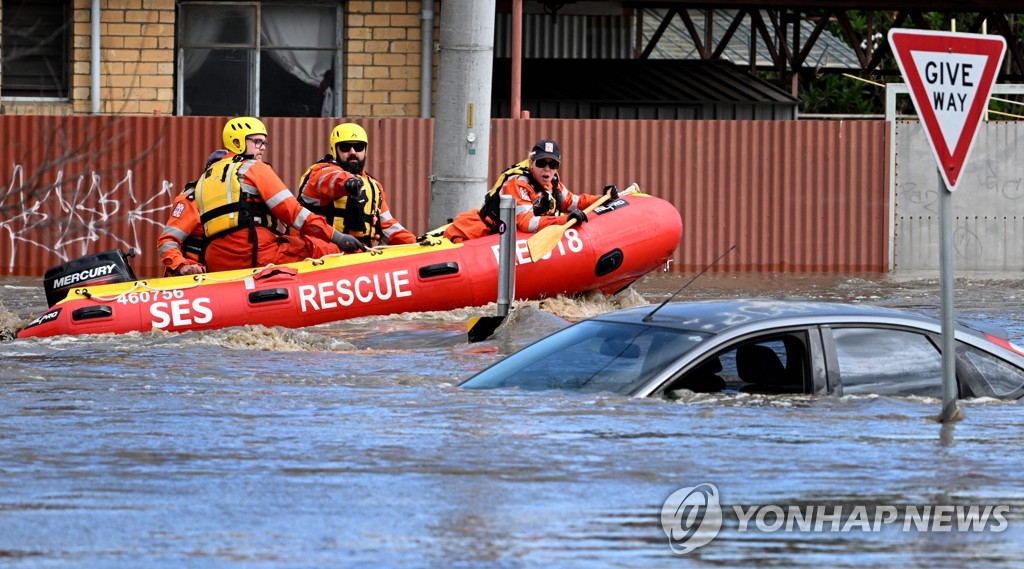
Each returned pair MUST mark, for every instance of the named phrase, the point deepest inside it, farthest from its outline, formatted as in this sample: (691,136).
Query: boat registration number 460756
(147,296)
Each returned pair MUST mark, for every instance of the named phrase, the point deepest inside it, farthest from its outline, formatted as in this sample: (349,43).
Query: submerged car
(761,346)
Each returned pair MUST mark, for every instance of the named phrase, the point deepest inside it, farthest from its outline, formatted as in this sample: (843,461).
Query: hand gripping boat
(623,240)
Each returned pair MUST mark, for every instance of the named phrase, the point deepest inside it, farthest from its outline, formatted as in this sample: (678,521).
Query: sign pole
(950,412)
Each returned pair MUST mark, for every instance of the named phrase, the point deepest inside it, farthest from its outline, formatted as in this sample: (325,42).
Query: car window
(775,364)
(988,375)
(590,356)
(887,362)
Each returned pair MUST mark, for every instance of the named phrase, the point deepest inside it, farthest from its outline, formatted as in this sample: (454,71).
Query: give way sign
(950,78)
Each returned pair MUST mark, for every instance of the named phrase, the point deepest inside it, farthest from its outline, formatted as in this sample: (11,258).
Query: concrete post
(462,123)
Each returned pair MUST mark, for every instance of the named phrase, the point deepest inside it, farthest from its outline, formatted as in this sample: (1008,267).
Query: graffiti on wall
(77,185)
(68,217)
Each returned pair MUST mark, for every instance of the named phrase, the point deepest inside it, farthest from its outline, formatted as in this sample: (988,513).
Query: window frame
(812,358)
(60,86)
(258,50)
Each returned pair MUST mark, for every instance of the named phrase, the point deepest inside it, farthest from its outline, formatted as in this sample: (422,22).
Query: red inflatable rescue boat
(623,240)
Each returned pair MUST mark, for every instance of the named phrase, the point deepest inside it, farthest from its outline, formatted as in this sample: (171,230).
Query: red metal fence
(793,196)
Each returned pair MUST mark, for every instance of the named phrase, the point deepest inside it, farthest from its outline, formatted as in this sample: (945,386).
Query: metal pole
(506,255)
(426,61)
(462,109)
(517,57)
(949,390)
(94,64)
(482,327)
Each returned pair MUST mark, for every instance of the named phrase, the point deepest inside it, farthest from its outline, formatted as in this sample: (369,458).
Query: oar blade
(542,242)
(482,327)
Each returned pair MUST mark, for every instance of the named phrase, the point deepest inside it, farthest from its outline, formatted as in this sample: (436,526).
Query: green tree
(836,93)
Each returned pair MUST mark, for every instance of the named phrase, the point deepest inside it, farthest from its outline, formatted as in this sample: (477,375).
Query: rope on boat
(143,286)
(320,260)
(426,241)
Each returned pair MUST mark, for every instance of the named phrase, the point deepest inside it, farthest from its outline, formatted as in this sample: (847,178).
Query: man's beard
(354,166)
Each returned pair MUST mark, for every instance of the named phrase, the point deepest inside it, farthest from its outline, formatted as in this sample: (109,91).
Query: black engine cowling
(102,268)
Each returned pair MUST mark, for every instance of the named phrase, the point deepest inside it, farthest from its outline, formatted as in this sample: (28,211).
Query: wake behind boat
(623,240)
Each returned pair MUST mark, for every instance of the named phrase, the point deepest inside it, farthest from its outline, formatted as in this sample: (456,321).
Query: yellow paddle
(542,242)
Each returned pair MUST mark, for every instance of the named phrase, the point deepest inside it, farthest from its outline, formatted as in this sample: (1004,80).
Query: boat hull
(622,241)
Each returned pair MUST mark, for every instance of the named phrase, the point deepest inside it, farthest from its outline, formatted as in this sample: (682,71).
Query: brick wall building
(138,38)
(382,57)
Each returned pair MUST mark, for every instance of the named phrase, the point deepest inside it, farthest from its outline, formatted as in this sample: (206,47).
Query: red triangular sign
(950,78)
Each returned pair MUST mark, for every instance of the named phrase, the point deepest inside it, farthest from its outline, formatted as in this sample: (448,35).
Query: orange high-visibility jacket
(322,190)
(531,214)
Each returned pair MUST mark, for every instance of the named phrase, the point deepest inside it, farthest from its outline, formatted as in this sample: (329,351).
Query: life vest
(226,203)
(359,218)
(547,202)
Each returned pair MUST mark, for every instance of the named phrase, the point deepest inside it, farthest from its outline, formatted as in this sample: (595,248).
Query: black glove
(613,191)
(578,215)
(353,186)
(346,242)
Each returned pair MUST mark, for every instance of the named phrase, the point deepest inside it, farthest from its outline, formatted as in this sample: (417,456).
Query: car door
(876,360)
(983,374)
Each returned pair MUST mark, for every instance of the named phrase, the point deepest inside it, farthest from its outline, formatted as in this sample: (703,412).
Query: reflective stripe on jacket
(182,240)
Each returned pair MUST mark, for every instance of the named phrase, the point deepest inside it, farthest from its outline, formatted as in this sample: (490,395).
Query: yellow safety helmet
(347,132)
(237,129)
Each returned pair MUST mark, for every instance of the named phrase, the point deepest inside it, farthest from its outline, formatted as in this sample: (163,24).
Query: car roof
(717,316)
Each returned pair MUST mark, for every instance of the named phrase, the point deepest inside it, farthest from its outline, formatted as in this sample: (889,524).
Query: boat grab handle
(89,312)
(439,270)
(268,295)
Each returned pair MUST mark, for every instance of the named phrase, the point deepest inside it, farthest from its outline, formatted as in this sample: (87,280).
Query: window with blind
(35,52)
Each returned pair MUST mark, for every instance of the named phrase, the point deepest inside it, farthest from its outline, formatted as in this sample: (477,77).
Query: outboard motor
(102,268)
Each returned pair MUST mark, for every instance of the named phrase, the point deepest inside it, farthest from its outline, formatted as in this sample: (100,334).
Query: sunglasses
(543,163)
(257,142)
(346,146)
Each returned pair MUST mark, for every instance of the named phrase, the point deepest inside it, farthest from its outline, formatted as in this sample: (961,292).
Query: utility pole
(462,125)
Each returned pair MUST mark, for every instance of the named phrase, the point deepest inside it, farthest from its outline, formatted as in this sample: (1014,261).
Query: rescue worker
(354,202)
(182,241)
(240,199)
(541,198)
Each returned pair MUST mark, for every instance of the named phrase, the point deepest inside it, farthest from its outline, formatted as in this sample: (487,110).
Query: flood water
(349,445)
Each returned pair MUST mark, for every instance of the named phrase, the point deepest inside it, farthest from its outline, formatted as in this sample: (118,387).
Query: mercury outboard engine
(102,268)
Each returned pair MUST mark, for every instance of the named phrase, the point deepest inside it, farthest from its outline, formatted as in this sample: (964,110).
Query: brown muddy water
(349,445)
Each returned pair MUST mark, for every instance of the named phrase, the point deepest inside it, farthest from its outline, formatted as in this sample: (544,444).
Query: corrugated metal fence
(793,196)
